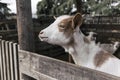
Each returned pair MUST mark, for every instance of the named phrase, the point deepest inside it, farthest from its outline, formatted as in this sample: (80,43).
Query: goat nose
(41,32)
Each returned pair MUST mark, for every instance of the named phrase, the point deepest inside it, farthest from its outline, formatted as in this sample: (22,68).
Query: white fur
(116,45)
(90,36)
(82,53)
(55,37)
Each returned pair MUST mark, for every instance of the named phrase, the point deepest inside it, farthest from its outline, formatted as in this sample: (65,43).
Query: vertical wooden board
(4,60)
(16,62)
(11,61)
(7,60)
(24,25)
(1,62)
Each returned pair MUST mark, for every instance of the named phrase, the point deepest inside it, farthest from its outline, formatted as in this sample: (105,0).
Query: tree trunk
(24,25)
(79,5)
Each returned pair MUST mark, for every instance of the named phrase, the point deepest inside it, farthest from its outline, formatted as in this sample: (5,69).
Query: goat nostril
(41,32)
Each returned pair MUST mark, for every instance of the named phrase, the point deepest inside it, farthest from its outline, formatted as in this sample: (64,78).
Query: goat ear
(55,17)
(77,20)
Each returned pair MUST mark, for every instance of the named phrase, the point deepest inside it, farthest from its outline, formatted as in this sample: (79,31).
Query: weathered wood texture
(102,19)
(45,68)
(105,32)
(24,25)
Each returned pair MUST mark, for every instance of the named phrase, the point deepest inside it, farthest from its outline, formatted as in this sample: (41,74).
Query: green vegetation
(54,7)
(4,10)
(93,7)
(102,7)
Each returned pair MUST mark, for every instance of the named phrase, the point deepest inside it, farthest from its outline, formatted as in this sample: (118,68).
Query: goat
(65,31)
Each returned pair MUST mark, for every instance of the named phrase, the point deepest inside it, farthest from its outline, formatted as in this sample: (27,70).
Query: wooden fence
(102,19)
(105,32)
(9,67)
(36,67)
(10,35)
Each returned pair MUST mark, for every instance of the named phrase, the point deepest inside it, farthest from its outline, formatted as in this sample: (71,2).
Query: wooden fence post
(24,25)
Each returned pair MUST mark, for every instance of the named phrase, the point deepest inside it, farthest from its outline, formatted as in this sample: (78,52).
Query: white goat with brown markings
(64,31)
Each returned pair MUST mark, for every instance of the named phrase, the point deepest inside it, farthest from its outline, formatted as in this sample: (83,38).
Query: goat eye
(61,26)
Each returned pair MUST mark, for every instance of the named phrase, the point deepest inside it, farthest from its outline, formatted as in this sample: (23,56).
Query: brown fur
(77,20)
(101,57)
(67,25)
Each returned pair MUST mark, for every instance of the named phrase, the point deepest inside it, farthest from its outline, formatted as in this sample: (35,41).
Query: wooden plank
(1,62)
(103,19)
(4,60)
(102,26)
(7,60)
(31,62)
(16,62)
(24,25)
(11,61)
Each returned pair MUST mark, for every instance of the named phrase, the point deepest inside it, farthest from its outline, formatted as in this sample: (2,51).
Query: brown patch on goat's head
(68,25)
(101,57)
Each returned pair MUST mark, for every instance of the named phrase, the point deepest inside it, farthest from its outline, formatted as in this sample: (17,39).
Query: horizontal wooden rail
(45,68)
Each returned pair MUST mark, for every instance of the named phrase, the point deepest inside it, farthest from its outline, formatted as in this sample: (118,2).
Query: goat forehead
(59,19)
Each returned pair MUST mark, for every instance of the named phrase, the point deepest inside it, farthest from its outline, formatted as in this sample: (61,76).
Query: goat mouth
(44,38)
